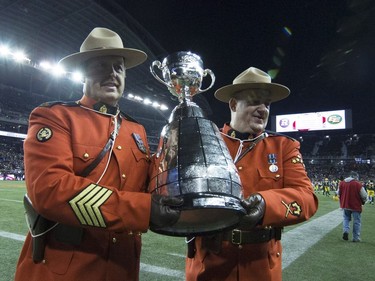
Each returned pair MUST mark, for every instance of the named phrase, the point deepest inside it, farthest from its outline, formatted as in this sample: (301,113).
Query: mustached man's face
(105,79)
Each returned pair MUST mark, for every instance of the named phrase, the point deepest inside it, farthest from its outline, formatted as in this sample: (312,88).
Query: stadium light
(19,56)
(77,76)
(45,65)
(57,71)
(147,101)
(4,50)
(163,107)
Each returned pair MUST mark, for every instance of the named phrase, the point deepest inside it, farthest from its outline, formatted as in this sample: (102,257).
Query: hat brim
(277,91)
(133,57)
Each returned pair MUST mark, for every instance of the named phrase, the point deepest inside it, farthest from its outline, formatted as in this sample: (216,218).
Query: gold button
(139,233)
(130,232)
(119,147)
(123,176)
(240,247)
(86,155)
(114,240)
(43,261)
(278,254)
(240,168)
(277,176)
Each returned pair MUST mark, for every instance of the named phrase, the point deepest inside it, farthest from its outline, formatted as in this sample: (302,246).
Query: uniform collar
(228,130)
(100,107)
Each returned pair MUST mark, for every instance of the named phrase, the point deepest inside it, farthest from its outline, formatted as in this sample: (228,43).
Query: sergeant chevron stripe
(86,205)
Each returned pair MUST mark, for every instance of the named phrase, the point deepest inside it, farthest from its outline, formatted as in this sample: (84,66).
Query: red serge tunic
(289,199)
(62,140)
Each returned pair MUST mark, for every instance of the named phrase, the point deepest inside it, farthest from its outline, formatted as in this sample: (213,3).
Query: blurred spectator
(352,196)
(11,159)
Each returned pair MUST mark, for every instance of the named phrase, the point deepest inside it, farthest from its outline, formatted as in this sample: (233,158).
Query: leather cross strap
(252,145)
(99,158)
(240,237)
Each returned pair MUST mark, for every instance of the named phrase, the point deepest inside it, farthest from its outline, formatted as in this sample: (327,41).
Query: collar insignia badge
(103,109)
(138,140)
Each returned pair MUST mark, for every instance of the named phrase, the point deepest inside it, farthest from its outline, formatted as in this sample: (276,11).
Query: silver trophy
(192,160)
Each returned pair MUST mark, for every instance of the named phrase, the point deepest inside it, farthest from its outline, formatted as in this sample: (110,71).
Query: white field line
(12,236)
(10,200)
(176,255)
(298,240)
(295,242)
(143,267)
(163,271)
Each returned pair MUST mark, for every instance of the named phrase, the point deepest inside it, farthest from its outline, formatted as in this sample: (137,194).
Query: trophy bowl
(192,160)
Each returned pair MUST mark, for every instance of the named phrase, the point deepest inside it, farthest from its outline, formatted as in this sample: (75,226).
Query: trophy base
(203,214)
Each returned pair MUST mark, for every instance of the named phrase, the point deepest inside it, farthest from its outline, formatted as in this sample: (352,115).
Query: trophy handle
(158,64)
(212,75)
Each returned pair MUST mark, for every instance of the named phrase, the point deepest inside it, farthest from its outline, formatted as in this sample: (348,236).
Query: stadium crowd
(321,168)
(11,159)
(327,157)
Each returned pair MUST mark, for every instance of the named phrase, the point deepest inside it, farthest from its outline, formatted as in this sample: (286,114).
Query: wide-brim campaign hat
(103,42)
(253,78)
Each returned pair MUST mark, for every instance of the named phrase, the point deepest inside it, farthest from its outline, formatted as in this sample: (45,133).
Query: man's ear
(232,104)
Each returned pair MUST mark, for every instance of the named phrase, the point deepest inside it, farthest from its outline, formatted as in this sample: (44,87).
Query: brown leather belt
(239,237)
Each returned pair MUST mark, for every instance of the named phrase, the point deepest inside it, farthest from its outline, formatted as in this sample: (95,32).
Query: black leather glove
(161,212)
(255,208)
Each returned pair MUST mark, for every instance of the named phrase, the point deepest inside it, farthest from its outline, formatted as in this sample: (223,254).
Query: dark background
(326,61)
(323,50)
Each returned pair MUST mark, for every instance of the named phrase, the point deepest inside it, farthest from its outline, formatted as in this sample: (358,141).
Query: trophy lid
(183,59)
(182,72)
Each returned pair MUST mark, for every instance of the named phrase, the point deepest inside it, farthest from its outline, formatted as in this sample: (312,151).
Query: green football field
(163,257)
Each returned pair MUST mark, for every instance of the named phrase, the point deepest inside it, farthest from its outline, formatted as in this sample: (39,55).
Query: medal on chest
(272,161)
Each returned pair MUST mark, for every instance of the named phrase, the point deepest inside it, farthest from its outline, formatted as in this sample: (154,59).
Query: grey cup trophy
(192,160)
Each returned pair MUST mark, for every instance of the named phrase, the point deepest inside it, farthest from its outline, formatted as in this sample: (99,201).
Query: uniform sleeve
(295,202)
(60,195)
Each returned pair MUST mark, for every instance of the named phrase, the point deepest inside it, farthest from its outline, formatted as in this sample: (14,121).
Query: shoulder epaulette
(129,118)
(275,134)
(52,103)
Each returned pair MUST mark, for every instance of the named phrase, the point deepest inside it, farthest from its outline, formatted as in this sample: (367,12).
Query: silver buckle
(236,237)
